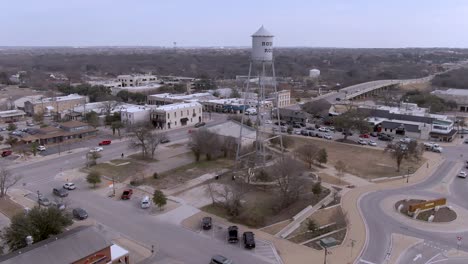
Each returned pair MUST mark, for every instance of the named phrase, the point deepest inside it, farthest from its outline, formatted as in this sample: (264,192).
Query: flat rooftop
(171,107)
(452,91)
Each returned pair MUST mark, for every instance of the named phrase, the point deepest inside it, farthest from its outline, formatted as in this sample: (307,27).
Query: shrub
(155,175)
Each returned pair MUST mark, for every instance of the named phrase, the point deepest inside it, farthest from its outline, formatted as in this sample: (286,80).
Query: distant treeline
(452,79)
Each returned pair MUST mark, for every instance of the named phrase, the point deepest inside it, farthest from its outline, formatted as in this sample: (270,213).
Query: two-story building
(67,131)
(177,115)
(53,105)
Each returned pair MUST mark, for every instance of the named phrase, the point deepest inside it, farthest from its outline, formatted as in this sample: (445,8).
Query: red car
(6,153)
(364,136)
(105,142)
(126,194)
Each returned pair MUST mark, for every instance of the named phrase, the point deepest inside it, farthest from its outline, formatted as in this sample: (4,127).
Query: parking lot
(262,248)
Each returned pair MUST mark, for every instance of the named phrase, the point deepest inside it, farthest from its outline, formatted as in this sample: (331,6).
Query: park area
(365,162)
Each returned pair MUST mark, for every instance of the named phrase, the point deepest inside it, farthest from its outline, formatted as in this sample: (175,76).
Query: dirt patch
(177,145)
(358,159)
(9,208)
(172,178)
(332,179)
(320,217)
(122,170)
(275,228)
(443,215)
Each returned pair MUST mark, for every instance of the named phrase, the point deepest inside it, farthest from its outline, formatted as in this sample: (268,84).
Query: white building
(136,114)
(131,80)
(136,89)
(283,97)
(11,115)
(167,98)
(177,115)
(314,73)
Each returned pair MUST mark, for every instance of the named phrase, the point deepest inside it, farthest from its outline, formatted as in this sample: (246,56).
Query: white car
(437,149)
(41,148)
(406,140)
(96,149)
(323,129)
(268,122)
(328,136)
(372,143)
(69,186)
(297,132)
(462,174)
(362,142)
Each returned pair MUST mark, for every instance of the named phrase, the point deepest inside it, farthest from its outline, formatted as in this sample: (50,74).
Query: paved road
(380,226)
(173,243)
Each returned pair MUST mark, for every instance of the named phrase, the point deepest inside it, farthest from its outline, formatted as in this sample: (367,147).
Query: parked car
(465,141)
(60,192)
(283,129)
(304,132)
(297,126)
(323,129)
(145,202)
(328,136)
(372,143)
(385,137)
(362,141)
(206,223)
(319,135)
(437,149)
(249,240)
(43,201)
(218,259)
(364,136)
(164,140)
(6,153)
(331,128)
(310,128)
(96,149)
(374,134)
(406,140)
(297,132)
(105,142)
(233,236)
(200,124)
(462,174)
(80,213)
(69,186)
(268,122)
(41,148)
(60,206)
(126,194)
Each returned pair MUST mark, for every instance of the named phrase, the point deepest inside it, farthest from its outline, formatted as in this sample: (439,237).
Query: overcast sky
(314,23)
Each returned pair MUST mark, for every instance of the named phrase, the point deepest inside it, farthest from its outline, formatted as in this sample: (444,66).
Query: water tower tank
(314,73)
(262,46)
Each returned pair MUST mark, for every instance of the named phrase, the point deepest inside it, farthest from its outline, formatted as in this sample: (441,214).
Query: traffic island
(434,211)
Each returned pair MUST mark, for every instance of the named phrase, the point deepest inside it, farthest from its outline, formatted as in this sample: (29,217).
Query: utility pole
(38,196)
(326,253)
(352,246)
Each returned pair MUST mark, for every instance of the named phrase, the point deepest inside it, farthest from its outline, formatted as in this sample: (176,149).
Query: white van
(145,202)
(251,111)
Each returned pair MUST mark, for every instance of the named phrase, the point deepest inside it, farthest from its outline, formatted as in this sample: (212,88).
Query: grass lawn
(365,162)
(9,208)
(118,169)
(187,172)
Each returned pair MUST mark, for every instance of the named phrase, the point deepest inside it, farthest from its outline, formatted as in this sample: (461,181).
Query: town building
(147,88)
(291,115)
(136,114)
(65,132)
(132,80)
(459,96)
(177,115)
(81,245)
(410,120)
(167,98)
(281,98)
(19,103)
(232,105)
(11,115)
(53,105)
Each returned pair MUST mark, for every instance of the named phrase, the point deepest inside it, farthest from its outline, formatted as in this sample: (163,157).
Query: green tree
(235,93)
(94,177)
(34,146)
(40,223)
(11,127)
(352,120)
(116,125)
(322,156)
(159,199)
(317,189)
(93,119)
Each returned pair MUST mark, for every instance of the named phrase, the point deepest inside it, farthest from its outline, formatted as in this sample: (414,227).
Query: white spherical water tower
(261,67)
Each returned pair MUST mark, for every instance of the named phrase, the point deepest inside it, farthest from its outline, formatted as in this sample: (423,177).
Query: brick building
(53,105)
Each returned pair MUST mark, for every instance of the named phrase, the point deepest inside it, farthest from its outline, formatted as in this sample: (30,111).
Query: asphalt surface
(380,226)
(173,243)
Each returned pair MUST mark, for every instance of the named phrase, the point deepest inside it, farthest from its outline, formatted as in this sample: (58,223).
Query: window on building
(168,115)
(175,114)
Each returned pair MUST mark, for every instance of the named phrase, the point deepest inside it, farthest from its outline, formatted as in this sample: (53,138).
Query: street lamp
(407,177)
(326,253)
(38,196)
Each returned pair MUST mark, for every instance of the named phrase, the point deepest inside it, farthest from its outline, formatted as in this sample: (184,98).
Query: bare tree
(108,106)
(152,142)
(228,146)
(203,141)
(229,196)
(307,153)
(352,120)
(340,167)
(139,134)
(7,180)
(287,177)
(398,151)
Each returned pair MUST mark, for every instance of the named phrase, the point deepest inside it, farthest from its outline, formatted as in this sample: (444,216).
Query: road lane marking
(427,262)
(418,256)
(367,262)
